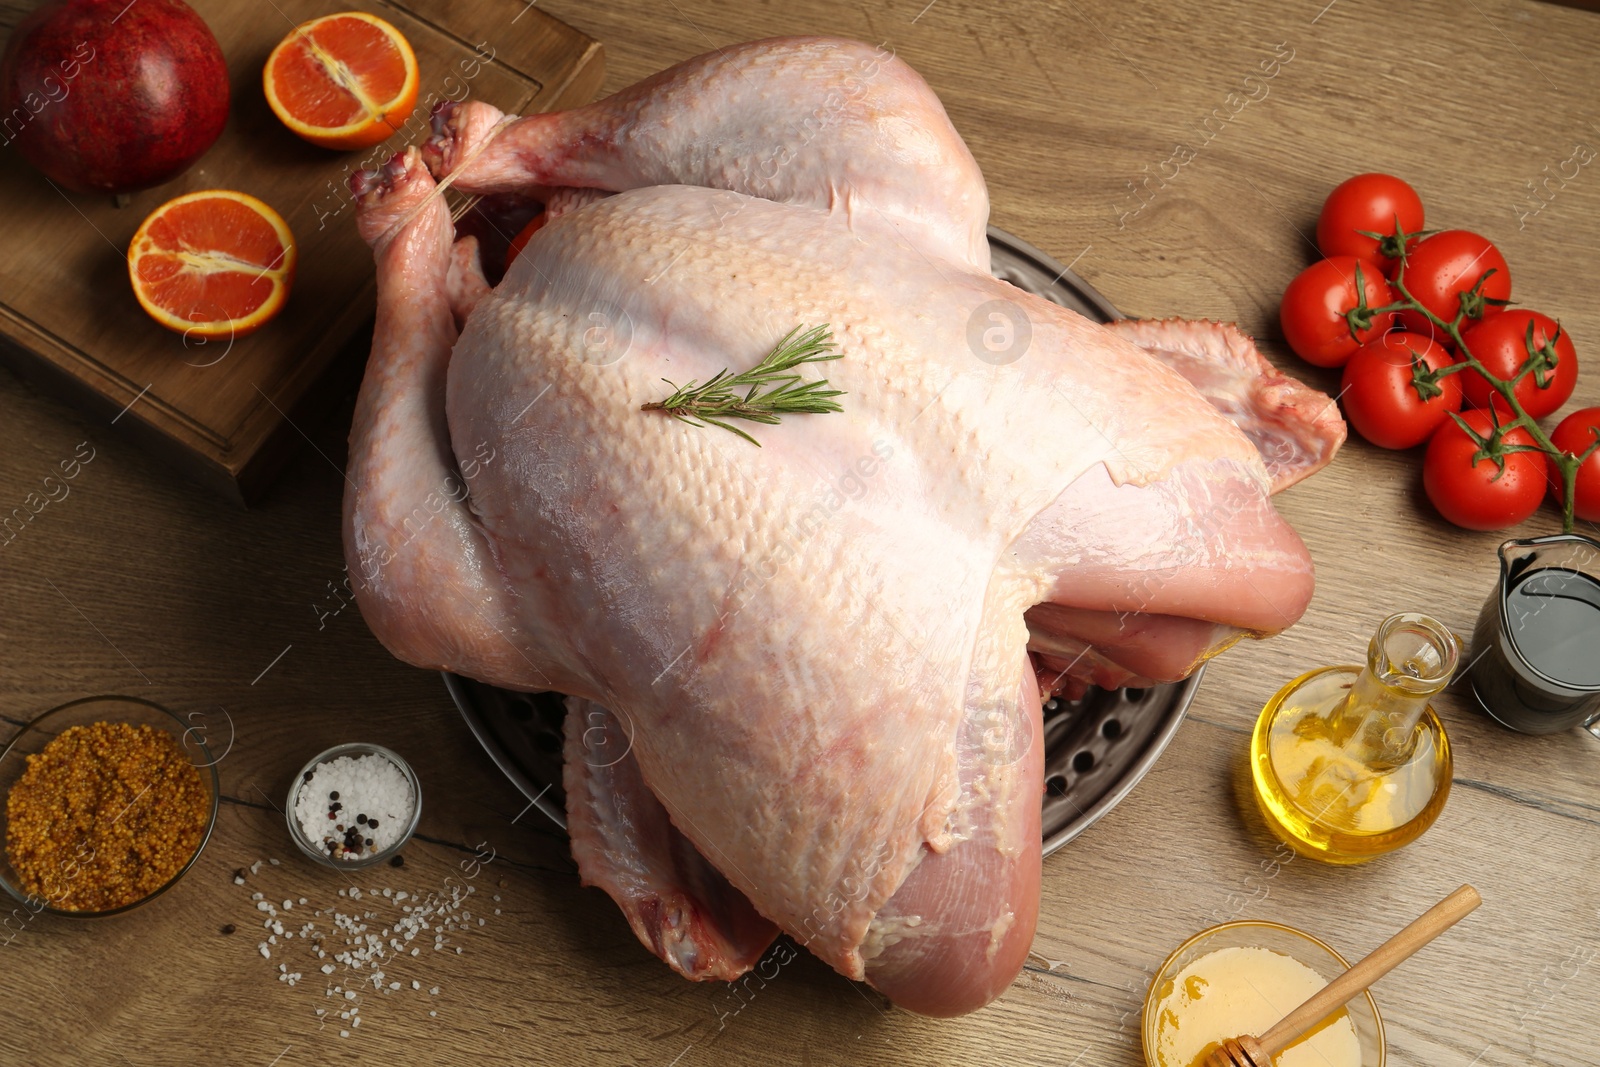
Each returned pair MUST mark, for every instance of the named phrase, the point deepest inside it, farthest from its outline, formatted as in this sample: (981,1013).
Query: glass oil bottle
(1350,763)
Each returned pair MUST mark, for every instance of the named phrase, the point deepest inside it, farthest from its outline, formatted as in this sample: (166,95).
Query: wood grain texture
(139,583)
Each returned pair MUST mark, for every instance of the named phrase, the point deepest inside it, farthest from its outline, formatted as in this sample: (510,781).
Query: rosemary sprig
(785,393)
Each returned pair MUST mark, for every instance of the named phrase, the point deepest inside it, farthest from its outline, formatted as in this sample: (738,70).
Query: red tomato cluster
(1332,315)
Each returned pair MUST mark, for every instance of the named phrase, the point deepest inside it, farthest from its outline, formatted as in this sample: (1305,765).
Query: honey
(1246,990)
(1350,763)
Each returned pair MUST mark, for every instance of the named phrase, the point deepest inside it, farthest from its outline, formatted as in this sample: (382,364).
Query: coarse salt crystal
(265,952)
(273,862)
(255,868)
(327,968)
(433,1014)
(349,994)
(415,984)
(344,1033)
(289,904)
(434,991)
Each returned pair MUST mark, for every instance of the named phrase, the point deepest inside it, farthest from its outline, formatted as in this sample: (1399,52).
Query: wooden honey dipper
(1247,1051)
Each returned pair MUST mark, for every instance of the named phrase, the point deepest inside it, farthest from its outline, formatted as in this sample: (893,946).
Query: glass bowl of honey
(1241,978)
(108,801)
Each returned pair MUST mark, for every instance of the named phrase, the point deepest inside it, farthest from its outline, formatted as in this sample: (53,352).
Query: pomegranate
(108,96)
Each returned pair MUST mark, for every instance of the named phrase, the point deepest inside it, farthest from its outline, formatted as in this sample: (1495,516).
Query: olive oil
(1350,763)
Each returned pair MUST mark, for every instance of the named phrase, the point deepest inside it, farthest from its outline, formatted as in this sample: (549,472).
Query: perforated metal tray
(1096,748)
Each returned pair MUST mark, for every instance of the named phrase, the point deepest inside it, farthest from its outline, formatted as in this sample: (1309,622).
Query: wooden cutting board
(227,414)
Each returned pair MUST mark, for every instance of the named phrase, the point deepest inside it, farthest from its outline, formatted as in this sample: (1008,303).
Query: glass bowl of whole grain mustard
(107,802)
(1241,978)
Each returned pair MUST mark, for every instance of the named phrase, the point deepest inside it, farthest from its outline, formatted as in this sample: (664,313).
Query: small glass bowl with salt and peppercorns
(354,806)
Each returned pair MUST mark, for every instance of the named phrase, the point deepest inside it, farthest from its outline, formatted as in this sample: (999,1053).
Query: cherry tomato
(1501,345)
(1376,203)
(1574,436)
(1480,496)
(520,241)
(1379,399)
(1314,304)
(1444,266)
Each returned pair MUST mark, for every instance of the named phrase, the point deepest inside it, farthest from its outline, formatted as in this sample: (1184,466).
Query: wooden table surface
(138,583)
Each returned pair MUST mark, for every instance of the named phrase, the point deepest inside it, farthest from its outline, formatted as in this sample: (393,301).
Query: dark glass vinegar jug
(1536,649)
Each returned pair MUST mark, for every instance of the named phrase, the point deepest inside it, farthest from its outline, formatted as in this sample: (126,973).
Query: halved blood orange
(342,81)
(212,264)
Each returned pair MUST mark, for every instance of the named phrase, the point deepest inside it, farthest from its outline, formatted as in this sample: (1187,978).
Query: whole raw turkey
(804,678)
